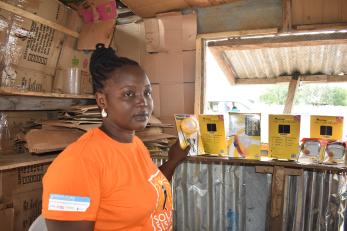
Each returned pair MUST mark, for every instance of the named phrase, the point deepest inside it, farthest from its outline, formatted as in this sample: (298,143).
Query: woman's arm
(55,225)
(176,156)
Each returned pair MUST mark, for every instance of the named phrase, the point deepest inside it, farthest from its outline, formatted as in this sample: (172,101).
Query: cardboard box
(170,32)
(27,207)
(169,120)
(6,218)
(189,32)
(21,179)
(149,8)
(129,41)
(33,48)
(326,127)
(170,68)
(164,67)
(212,128)
(156,99)
(189,66)
(244,131)
(176,99)
(284,133)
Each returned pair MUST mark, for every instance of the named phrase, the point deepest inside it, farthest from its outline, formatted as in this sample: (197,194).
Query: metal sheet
(220,196)
(273,62)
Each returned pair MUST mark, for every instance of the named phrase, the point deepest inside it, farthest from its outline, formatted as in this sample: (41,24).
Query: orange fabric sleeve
(72,175)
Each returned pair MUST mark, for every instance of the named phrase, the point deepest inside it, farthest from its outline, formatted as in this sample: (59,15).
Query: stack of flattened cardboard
(153,136)
(55,135)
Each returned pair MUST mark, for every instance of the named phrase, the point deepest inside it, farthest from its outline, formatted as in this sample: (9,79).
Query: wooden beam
(286,79)
(277,196)
(30,103)
(282,41)
(286,15)
(31,16)
(293,86)
(229,34)
(223,64)
(199,77)
(322,27)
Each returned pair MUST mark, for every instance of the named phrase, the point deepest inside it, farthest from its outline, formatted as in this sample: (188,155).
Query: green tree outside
(307,94)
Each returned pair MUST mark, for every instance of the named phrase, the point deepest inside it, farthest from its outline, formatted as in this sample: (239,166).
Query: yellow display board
(284,133)
(244,131)
(327,127)
(213,134)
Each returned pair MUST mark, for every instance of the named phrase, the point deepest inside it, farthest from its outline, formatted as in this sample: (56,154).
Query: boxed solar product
(327,127)
(312,150)
(335,153)
(189,133)
(284,133)
(244,131)
(213,136)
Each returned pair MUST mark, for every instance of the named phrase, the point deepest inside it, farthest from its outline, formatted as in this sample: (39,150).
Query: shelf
(15,92)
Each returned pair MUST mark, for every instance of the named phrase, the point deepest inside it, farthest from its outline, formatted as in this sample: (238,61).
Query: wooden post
(293,85)
(286,15)
(279,174)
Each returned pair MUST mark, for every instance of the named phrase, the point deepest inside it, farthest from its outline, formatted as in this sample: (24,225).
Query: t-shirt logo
(162,216)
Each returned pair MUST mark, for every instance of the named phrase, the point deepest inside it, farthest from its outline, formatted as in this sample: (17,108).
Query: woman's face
(127,98)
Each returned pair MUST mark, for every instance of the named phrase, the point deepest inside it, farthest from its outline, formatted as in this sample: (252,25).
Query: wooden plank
(264,169)
(199,77)
(282,41)
(223,64)
(8,162)
(228,34)
(293,86)
(293,172)
(13,91)
(331,11)
(277,194)
(343,10)
(39,103)
(31,16)
(304,78)
(297,12)
(286,16)
(313,11)
(320,27)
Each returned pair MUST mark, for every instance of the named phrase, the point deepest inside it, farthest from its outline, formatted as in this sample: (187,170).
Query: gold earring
(103,113)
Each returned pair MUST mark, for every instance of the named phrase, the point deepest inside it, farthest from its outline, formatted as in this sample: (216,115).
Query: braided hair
(103,61)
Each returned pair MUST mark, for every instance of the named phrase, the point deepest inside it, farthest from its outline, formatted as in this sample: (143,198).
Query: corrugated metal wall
(220,196)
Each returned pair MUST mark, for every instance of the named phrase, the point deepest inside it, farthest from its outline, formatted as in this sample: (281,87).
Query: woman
(106,180)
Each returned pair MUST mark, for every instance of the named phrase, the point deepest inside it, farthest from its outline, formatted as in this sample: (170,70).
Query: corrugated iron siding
(219,196)
(273,62)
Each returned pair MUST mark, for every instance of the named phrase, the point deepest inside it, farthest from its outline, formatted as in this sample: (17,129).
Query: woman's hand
(176,153)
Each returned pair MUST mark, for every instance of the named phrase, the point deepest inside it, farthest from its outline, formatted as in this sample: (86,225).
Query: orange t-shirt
(114,184)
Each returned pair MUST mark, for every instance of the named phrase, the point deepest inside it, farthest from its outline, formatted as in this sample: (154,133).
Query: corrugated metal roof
(274,62)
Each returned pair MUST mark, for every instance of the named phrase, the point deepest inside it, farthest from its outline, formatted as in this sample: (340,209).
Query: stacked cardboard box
(20,196)
(169,62)
(31,52)
(165,48)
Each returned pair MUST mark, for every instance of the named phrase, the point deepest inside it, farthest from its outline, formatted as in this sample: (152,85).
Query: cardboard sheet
(49,140)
